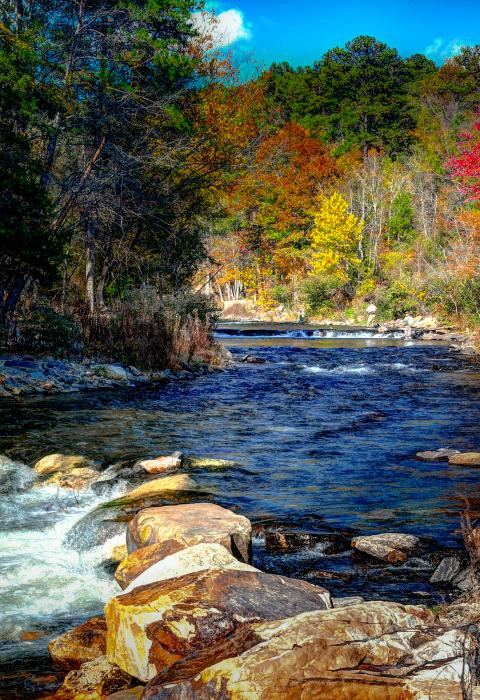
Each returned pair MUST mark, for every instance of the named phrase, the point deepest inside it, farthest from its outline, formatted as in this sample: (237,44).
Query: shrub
(396,301)
(41,329)
(317,292)
(282,295)
(152,331)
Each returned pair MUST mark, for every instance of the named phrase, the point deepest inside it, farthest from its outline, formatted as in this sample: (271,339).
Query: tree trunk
(90,265)
(11,296)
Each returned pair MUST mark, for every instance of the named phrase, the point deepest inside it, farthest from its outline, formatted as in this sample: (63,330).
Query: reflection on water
(326,428)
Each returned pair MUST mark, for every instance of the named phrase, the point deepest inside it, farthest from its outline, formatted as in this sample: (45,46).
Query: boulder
(61,463)
(141,559)
(192,616)
(84,643)
(466,459)
(191,524)
(177,482)
(446,571)
(197,558)
(371,651)
(467,580)
(393,547)
(161,465)
(94,680)
(441,455)
(75,479)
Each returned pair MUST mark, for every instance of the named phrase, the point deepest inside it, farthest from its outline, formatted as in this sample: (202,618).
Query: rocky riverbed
(189,616)
(26,375)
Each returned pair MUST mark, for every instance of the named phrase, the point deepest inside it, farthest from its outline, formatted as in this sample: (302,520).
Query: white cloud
(443,48)
(225,28)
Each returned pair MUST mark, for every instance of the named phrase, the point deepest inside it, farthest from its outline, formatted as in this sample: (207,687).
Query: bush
(41,329)
(282,295)
(461,297)
(154,332)
(318,293)
(396,301)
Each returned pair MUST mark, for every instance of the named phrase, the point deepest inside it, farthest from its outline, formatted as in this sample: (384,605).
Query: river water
(324,432)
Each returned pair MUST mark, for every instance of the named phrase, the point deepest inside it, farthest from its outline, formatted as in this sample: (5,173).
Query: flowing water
(324,433)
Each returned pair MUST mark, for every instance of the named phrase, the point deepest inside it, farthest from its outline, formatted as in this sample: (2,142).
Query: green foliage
(281,294)
(396,301)
(44,330)
(317,292)
(401,227)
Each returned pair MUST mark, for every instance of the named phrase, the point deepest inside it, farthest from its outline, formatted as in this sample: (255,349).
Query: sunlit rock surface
(154,626)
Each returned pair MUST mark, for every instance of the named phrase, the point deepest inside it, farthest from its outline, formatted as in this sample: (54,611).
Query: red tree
(466,166)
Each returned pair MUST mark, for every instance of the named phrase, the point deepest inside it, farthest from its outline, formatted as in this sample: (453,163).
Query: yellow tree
(336,236)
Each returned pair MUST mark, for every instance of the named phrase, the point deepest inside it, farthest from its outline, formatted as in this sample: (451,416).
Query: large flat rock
(371,651)
(191,524)
(191,617)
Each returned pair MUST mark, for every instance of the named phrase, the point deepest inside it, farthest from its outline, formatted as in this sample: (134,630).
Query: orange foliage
(275,195)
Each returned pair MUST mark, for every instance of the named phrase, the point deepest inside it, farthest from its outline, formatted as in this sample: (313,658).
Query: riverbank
(26,375)
(188,616)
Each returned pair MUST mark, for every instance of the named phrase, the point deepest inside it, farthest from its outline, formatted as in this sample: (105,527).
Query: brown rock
(75,479)
(141,559)
(192,617)
(191,524)
(466,459)
(84,643)
(371,651)
(61,463)
(161,465)
(94,680)
(393,547)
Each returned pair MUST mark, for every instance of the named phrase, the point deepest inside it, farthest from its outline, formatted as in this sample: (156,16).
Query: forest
(145,180)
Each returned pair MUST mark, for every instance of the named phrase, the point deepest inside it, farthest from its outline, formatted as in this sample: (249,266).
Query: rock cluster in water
(196,620)
(25,376)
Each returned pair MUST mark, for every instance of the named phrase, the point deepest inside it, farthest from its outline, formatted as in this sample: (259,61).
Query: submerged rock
(84,643)
(208,463)
(393,547)
(189,618)
(441,455)
(61,463)
(94,680)
(191,524)
(75,479)
(465,459)
(200,557)
(373,650)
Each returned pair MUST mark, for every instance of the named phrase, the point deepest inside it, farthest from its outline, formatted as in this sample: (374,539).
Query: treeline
(351,194)
(136,164)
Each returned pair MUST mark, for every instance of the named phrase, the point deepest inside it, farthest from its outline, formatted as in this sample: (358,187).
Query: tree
(466,166)
(401,227)
(336,236)
(29,248)
(364,95)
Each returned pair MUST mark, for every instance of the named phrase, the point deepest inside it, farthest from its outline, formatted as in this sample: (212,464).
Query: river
(323,433)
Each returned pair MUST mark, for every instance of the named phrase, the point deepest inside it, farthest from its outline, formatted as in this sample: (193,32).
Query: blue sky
(301,31)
